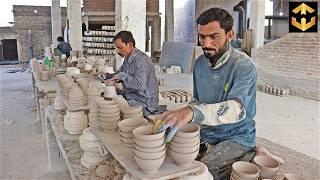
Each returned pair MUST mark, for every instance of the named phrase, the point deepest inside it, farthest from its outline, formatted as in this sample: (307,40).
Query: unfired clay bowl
(126,140)
(184,145)
(149,155)
(125,135)
(245,169)
(127,125)
(183,159)
(108,126)
(184,149)
(112,119)
(185,140)
(268,166)
(144,133)
(154,149)
(149,144)
(188,131)
(109,115)
(149,165)
(108,110)
(132,110)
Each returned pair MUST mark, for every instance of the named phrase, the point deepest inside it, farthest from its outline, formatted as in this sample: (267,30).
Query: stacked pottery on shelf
(94,151)
(45,75)
(149,149)
(184,146)
(84,84)
(93,115)
(110,92)
(65,82)
(126,126)
(130,112)
(108,115)
(75,122)
(268,166)
(244,170)
(59,104)
(123,104)
(76,98)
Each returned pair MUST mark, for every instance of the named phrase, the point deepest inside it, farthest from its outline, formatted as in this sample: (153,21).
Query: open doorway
(9,50)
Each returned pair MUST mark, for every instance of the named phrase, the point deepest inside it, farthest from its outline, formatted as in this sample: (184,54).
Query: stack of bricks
(275,90)
(177,96)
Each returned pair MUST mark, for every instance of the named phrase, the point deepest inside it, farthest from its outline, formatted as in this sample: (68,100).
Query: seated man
(137,75)
(63,47)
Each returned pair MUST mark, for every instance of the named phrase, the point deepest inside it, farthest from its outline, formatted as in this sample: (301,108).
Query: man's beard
(218,53)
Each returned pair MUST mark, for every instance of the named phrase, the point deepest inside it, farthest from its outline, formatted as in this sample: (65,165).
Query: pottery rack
(124,156)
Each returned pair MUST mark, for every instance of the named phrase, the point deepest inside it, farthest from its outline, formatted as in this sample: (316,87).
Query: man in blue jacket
(224,91)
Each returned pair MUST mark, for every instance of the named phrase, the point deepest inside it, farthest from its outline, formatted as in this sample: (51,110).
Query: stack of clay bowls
(123,104)
(76,98)
(94,92)
(244,170)
(126,127)
(72,70)
(184,146)
(84,84)
(108,115)
(130,112)
(93,115)
(94,151)
(45,75)
(110,92)
(59,104)
(75,122)
(268,166)
(149,149)
(65,82)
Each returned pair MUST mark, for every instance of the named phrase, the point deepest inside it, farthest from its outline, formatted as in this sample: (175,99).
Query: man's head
(215,32)
(124,43)
(60,39)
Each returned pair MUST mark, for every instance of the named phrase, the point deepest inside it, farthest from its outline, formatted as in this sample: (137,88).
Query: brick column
(75,24)
(55,20)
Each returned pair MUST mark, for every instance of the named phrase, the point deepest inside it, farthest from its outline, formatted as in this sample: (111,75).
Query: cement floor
(290,121)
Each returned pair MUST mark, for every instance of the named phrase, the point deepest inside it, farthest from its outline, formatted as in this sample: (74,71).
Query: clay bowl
(184,145)
(154,149)
(107,104)
(108,110)
(126,140)
(245,169)
(149,155)
(125,135)
(188,131)
(127,125)
(185,140)
(132,110)
(189,149)
(290,176)
(132,115)
(268,166)
(144,133)
(127,145)
(183,159)
(109,115)
(149,165)
(108,126)
(112,119)
(149,144)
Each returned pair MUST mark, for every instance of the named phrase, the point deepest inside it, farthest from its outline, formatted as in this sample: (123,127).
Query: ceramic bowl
(268,166)
(144,133)
(183,159)
(112,119)
(245,169)
(127,125)
(149,165)
(125,135)
(109,115)
(149,144)
(149,155)
(154,149)
(190,130)
(185,140)
(184,149)
(108,126)
(184,145)
(132,110)
(126,140)
(108,110)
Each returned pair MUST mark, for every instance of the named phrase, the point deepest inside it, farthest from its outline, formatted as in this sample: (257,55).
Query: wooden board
(124,156)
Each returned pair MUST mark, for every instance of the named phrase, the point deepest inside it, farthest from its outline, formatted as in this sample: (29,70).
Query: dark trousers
(220,158)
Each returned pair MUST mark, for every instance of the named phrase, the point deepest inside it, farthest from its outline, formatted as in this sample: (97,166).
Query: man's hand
(112,81)
(174,120)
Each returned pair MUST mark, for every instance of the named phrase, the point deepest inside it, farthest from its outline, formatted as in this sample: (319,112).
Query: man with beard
(137,75)
(224,91)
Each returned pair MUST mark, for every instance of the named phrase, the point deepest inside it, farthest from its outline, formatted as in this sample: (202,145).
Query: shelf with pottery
(124,156)
(68,144)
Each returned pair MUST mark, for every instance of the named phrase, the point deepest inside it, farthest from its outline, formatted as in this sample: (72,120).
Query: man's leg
(220,158)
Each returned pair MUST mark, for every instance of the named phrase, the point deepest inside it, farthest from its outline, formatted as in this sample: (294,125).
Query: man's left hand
(112,81)
(174,120)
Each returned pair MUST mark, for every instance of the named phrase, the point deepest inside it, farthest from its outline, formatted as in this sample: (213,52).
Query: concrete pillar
(169,20)
(55,20)
(257,17)
(131,16)
(156,34)
(75,24)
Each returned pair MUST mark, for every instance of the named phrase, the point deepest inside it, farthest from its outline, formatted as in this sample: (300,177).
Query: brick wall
(38,23)
(7,33)
(109,5)
(293,62)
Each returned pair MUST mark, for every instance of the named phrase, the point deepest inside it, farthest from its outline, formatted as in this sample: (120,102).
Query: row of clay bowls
(268,166)
(149,149)
(131,112)
(184,147)
(108,115)
(76,97)
(126,127)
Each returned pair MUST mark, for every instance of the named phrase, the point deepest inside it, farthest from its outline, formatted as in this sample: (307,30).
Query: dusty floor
(291,121)
(23,151)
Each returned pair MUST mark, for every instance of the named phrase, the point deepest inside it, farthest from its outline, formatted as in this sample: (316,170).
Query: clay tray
(123,155)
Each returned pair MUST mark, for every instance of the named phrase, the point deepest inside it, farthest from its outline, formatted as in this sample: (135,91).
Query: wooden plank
(124,156)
